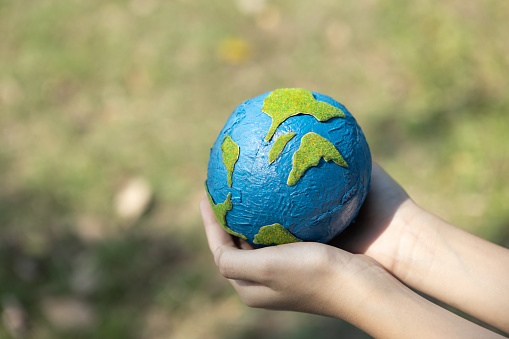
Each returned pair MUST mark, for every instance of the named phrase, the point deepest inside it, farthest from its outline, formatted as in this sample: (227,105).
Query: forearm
(379,304)
(401,313)
(456,267)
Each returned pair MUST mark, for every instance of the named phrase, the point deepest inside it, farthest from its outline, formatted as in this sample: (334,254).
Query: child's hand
(306,277)
(321,279)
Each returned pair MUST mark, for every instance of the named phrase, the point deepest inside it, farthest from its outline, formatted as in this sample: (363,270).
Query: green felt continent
(220,211)
(286,102)
(274,234)
(279,145)
(230,152)
(312,148)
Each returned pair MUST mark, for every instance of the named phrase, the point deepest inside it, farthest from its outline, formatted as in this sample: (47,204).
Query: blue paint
(323,202)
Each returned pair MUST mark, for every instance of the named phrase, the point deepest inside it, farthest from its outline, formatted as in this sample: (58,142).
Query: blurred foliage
(96,93)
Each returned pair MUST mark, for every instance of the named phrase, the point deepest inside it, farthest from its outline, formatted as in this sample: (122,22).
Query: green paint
(274,234)
(220,211)
(312,148)
(230,152)
(286,102)
(279,145)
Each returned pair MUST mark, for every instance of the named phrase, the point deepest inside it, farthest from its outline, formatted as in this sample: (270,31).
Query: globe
(289,165)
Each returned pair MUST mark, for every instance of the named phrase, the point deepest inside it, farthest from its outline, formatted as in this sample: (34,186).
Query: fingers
(260,266)
(255,294)
(233,262)
(238,264)
(216,236)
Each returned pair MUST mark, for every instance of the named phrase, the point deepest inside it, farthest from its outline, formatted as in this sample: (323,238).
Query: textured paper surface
(326,197)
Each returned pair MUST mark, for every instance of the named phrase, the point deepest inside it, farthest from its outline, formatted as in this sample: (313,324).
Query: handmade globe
(289,165)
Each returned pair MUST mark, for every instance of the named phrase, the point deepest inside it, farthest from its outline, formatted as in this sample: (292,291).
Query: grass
(95,93)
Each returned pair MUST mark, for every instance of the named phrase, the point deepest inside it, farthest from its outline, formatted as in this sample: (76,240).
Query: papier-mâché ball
(289,165)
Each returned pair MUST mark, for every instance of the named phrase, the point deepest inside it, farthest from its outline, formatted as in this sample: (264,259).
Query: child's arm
(321,279)
(431,255)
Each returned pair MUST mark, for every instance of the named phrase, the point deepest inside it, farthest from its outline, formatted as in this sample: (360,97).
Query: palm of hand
(380,223)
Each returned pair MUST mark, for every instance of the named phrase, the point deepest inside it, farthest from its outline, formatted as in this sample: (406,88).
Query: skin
(361,276)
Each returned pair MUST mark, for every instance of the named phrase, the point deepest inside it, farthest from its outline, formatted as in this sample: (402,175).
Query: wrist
(394,247)
(376,302)
(416,234)
(361,289)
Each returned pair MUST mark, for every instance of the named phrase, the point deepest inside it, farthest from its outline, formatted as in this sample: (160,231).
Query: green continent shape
(279,145)
(230,152)
(274,234)
(312,148)
(220,211)
(286,102)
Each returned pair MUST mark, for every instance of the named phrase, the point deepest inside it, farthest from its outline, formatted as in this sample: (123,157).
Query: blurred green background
(108,110)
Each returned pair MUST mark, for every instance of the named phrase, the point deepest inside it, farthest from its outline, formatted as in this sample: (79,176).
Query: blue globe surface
(324,200)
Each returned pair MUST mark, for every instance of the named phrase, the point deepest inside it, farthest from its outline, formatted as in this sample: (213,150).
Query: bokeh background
(108,109)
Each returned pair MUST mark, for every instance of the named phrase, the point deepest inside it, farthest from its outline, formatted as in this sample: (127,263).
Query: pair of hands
(358,276)
(300,276)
